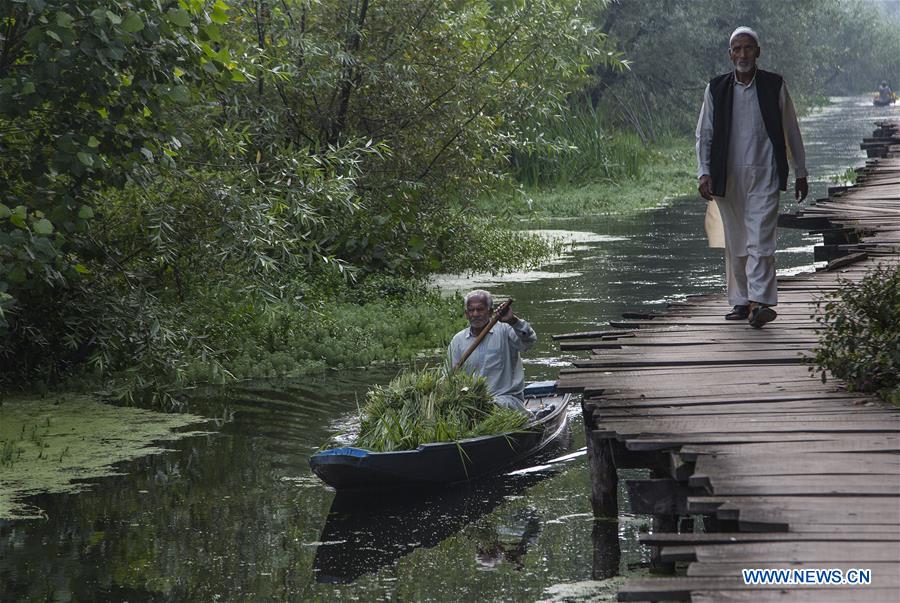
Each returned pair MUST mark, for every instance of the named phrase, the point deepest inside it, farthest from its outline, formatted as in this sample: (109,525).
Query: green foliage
(430,405)
(161,163)
(226,334)
(445,88)
(860,341)
(848,177)
(822,47)
(669,171)
(578,147)
(178,179)
(488,248)
(390,325)
(88,100)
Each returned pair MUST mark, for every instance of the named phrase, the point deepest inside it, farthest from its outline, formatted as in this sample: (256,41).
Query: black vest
(768,89)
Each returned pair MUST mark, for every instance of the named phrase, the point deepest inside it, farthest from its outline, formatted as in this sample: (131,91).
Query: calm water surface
(237,515)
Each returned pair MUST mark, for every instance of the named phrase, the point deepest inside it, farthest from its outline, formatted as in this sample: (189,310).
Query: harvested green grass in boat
(424,406)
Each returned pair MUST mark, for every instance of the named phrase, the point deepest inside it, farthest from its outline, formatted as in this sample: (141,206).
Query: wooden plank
(801,521)
(696,538)
(829,595)
(797,464)
(884,573)
(702,360)
(825,444)
(799,411)
(679,589)
(739,415)
(819,484)
(774,552)
(802,503)
(832,594)
(755,398)
(681,428)
(739,412)
(808,387)
(800,527)
(784,442)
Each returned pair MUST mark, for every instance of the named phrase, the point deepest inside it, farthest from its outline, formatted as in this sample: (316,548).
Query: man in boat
(746,136)
(885,94)
(497,357)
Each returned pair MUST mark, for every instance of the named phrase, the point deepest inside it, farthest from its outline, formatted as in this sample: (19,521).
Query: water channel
(237,515)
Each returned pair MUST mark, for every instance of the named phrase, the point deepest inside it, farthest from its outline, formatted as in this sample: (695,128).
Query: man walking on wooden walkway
(747,125)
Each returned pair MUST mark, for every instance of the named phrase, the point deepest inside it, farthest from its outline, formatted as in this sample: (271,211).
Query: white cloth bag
(715,231)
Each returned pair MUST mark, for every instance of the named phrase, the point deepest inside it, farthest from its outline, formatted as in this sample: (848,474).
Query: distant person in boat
(497,357)
(885,94)
(746,136)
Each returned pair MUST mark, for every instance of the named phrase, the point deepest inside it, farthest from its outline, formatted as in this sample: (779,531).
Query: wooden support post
(668,506)
(602,469)
(607,553)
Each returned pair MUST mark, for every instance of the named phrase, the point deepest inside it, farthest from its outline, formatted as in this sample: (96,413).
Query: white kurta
(749,209)
(497,360)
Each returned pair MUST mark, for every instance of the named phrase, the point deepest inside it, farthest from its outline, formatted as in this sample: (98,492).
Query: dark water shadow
(365,531)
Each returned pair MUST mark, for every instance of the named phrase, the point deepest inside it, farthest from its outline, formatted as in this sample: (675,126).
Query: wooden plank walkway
(788,471)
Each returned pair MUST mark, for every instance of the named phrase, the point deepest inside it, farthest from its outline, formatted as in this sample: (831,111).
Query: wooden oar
(501,309)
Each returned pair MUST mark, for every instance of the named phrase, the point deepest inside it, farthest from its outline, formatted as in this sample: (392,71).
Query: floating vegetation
(424,406)
(848,177)
(48,444)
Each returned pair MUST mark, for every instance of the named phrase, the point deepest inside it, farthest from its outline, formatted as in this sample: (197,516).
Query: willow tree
(89,94)
(168,168)
(442,89)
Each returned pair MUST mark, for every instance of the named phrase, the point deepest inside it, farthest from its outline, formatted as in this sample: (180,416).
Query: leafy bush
(430,406)
(283,340)
(860,342)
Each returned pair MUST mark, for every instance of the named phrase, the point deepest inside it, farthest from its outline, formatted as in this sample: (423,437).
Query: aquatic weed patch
(48,444)
(424,406)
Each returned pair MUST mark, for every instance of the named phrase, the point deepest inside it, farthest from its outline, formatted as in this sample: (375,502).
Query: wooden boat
(880,102)
(444,463)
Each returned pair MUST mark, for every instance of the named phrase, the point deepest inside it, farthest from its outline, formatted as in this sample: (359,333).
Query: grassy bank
(667,170)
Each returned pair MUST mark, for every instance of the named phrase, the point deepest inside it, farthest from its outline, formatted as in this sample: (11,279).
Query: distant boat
(441,463)
(880,102)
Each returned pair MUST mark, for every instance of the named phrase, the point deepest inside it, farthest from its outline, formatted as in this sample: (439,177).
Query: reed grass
(8,449)
(428,405)
(670,172)
(576,148)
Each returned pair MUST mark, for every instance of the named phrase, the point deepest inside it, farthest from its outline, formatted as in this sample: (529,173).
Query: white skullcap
(742,30)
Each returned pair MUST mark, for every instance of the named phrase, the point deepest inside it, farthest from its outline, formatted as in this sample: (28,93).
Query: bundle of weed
(430,406)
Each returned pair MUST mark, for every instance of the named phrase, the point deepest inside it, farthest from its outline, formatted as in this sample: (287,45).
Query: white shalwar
(750,207)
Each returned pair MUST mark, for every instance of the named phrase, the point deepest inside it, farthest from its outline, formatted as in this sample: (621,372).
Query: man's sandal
(738,313)
(760,315)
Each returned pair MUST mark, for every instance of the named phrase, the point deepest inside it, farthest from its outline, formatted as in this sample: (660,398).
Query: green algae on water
(45,445)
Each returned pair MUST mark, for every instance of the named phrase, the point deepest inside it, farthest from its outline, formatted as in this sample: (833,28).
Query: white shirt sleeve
(792,138)
(522,336)
(704,134)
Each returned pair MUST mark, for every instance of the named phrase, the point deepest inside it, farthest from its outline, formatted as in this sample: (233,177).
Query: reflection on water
(364,533)
(237,515)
